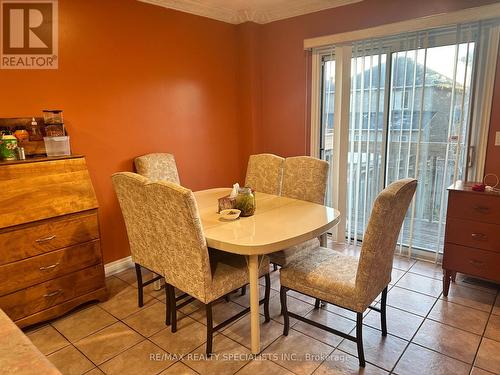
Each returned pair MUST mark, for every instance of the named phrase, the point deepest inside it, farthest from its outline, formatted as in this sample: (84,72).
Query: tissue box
(226,203)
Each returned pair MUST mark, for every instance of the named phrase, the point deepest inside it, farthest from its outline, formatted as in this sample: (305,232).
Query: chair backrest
(381,235)
(164,231)
(305,178)
(157,167)
(264,172)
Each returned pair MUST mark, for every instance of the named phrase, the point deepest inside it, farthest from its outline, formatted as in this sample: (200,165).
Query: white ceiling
(259,11)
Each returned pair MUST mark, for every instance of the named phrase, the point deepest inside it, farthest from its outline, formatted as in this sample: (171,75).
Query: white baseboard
(118,266)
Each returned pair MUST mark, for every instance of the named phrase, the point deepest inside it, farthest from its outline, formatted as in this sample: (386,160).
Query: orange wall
(135,78)
(285,120)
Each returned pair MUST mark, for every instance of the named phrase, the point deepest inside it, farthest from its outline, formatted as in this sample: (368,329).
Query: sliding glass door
(410,111)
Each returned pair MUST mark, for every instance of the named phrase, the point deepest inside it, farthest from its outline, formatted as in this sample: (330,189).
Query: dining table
(278,223)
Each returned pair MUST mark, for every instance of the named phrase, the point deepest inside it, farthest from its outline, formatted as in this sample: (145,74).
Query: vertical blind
(411,100)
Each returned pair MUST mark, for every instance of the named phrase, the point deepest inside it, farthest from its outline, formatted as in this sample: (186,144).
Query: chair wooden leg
(168,312)
(244,290)
(267,295)
(383,312)
(140,295)
(173,308)
(284,310)
(317,303)
(227,298)
(210,328)
(359,339)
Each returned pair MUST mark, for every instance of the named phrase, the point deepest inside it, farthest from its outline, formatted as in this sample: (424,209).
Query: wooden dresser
(472,238)
(50,255)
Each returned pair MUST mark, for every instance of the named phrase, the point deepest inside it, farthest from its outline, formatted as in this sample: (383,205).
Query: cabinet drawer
(475,262)
(22,274)
(484,208)
(473,234)
(32,240)
(42,296)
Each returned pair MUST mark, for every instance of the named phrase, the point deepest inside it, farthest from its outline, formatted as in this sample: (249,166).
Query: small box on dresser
(472,237)
(50,255)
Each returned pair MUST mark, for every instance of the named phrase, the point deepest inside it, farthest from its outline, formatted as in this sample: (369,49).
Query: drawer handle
(45,239)
(482,208)
(476,263)
(479,236)
(52,294)
(48,268)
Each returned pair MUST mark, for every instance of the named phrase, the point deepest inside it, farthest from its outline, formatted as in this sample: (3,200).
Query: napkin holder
(226,203)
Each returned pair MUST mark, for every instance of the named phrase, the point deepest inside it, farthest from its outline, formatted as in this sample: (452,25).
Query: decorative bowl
(230,214)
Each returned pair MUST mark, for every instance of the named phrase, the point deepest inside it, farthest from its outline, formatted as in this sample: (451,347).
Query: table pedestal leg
(253,271)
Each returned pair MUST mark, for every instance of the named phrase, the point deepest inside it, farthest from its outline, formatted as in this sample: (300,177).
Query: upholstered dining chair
(347,281)
(264,173)
(156,167)
(165,235)
(304,178)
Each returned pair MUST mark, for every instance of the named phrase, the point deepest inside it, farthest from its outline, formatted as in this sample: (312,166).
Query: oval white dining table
(278,223)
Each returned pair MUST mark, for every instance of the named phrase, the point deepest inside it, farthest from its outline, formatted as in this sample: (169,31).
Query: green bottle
(8,146)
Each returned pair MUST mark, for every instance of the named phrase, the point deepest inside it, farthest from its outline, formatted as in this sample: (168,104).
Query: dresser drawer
(473,234)
(36,239)
(472,206)
(25,273)
(43,296)
(476,262)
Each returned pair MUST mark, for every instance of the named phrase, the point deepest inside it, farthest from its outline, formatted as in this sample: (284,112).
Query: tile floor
(428,333)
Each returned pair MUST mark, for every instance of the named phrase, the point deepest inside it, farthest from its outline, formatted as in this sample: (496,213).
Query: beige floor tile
(419,361)
(306,352)
(227,358)
(47,339)
(124,302)
(340,311)
(239,331)
(190,334)
(70,361)
(410,301)
(149,320)
(459,316)
(380,351)
(263,367)
(110,341)
(346,364)
(496,308)
(83,323)
(221,311)
(478,371)
(275,281)
(402,263)
(474,283)
(143,358)
(114,285)
(488,357)
(448,340)
(302,297)
(192,307)
(396,275)
(493,328)
(399,323)
(470,297)
(178,368)
(95,371)
(293,304)
(429,269)
(330,320)
(421,284)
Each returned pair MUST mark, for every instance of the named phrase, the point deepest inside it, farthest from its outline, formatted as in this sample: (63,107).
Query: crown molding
(235,13)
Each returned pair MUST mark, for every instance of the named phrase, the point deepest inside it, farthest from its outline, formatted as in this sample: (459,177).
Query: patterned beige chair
(346,281)
(304,178)
(156,167)
(264,173)
(165,235)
